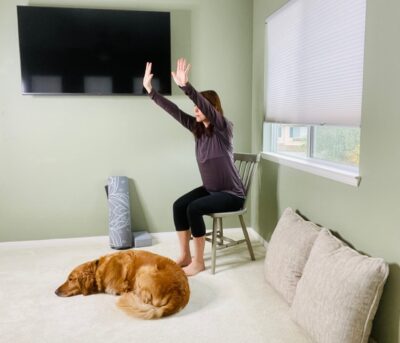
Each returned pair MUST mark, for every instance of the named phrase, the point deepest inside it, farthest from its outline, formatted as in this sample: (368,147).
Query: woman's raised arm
(185,119)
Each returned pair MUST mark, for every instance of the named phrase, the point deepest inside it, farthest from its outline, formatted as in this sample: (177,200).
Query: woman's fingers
(147,77)
(181,63)
(188,69)
(180,76)
(185,67)
(148,68)
(147,74)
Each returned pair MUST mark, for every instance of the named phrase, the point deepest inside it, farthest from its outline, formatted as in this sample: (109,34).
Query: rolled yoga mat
(119,214)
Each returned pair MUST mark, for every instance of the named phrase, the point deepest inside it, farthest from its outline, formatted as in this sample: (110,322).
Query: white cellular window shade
(315,57)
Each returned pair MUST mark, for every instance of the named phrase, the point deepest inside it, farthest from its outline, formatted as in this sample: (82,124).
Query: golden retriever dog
(150,285)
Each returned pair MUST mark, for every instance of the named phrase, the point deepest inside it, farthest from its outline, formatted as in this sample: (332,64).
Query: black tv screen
(92,51)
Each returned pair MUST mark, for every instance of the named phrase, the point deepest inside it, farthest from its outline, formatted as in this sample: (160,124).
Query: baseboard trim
(255,235)
(72,240)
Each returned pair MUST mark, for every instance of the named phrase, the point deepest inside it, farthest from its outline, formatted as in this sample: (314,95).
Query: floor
(234,305)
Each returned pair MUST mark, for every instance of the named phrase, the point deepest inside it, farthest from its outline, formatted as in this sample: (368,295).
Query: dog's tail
(132,304)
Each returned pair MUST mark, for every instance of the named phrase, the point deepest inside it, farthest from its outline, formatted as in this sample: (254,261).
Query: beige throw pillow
(288,251)
(338,295)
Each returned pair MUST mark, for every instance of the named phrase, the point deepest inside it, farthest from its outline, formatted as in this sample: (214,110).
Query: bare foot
(184,261)
(194,268)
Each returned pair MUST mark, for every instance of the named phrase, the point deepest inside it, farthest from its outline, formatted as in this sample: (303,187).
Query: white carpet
(234,305)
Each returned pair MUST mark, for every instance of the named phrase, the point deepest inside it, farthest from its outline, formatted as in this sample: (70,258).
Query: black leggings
(190,208)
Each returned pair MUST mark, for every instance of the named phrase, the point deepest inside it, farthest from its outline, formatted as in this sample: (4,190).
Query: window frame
(335,171)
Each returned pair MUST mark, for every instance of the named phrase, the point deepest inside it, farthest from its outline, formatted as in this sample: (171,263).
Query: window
(335,146)
(314,76)
(293,140)
(328,151)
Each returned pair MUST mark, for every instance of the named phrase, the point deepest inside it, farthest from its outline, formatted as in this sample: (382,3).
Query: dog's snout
(58,292)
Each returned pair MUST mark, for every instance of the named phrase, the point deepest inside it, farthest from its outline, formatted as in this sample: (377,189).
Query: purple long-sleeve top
(214,153)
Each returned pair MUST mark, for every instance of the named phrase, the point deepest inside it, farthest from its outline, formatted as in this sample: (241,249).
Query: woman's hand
(147,78)
(181,76)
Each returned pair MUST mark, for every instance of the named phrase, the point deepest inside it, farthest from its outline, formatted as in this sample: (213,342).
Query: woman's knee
(180,218)
(179,206)
(193,209)
(195,219)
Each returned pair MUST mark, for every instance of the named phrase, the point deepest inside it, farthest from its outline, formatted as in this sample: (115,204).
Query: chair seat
(227,214)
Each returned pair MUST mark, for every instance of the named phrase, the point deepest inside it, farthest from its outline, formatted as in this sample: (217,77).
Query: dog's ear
(87,284)
(87,281)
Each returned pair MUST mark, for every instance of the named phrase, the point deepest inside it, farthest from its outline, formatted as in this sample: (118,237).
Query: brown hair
(212,97)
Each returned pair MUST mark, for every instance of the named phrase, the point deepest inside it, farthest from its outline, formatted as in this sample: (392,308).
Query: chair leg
(220,232)
(246,236)
(214,245)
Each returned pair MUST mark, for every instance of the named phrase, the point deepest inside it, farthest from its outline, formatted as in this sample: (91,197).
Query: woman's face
(200,117)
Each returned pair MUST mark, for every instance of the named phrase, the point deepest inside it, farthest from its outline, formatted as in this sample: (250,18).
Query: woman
(222,189)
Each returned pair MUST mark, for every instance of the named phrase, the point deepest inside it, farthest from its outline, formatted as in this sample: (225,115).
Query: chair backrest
(246,165)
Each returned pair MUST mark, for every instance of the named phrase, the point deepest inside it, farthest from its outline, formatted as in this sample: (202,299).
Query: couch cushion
(338,295)
(288,251)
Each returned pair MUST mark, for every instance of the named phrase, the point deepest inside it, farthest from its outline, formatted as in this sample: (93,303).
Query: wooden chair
(246,165)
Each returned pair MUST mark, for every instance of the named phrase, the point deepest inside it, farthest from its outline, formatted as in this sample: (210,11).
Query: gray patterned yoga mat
(119,214)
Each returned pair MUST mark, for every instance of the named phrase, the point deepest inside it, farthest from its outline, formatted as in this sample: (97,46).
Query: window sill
(340,175)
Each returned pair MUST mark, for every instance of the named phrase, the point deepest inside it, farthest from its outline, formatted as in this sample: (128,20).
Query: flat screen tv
(92,51)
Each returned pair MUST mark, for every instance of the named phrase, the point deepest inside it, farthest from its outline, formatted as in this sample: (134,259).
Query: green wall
(365,216)
(56,152)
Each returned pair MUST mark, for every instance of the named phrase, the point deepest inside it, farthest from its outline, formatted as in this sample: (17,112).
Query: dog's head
(82,280)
